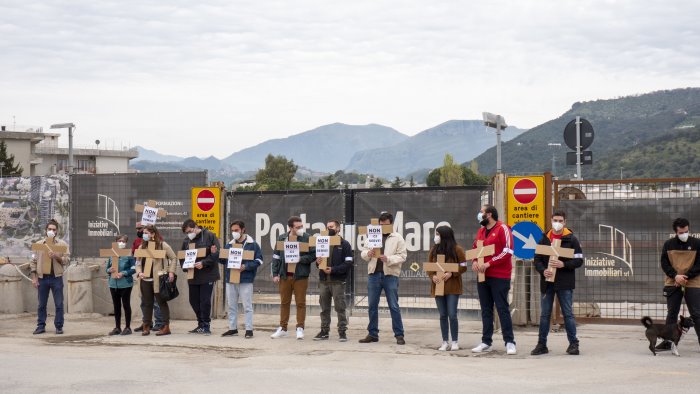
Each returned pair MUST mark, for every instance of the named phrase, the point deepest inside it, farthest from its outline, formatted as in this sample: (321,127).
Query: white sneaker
(443,347)
(280,333)
(455,346)
(482,348)
(510,348)
(300,333)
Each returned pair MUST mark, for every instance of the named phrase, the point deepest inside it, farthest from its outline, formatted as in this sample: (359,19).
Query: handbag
(168,290)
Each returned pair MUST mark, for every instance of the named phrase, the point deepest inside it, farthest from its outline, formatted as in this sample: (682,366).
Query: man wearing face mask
(244,289)
(680,261)
(120,286)
(206,273)
(332,285)
(157,315)
(51,282)
(563,285)
(292,283)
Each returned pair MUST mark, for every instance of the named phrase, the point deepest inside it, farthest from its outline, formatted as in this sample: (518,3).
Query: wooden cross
(554,252)
(440,267)
(386,229)
(479,253)
(334,241)
(114,254)
(235,273)
(150,204)
(46,248)
(149,253)
(303,247)
(201,252)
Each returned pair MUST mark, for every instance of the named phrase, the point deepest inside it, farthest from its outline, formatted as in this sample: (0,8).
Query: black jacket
(566,276)
(341,262)
(210,263)
(676,244)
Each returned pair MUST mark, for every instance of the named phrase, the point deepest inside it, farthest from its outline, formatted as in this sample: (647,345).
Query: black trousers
(200,300)
(121,297)
(692,300)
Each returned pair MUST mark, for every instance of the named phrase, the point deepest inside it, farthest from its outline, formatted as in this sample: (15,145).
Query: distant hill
(622,127)
(151,155)
(463,139)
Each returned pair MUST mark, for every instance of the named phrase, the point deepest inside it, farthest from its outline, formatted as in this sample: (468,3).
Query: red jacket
(501,264)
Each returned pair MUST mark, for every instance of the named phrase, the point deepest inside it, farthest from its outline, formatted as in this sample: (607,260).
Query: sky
(201,78)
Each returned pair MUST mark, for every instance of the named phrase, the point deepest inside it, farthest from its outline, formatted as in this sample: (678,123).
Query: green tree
(433,178)
(411,182)
(278,174)
(450,173)
(9,168)
(396,183)
(474,166)
(471,178)
(378,183)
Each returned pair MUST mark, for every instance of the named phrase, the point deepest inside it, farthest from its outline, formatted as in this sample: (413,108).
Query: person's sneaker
(541,348)
(455,346)
(126,331)
(39,330)
(197,330)
(510,349)
(443,347)
(663,346)
(300,333)
(230,333)
(115,331)
(573,349)
(482,348)
(280,333)
(369,339)
(321,336)
(206,331)
(248,334)
(342,337)
(59,331)
(400,340)
(139,328)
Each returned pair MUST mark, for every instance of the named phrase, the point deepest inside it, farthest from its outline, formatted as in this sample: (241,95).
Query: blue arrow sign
(526,235)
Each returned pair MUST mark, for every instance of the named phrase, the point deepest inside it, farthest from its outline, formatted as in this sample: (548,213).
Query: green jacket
(127,268)
(279,267)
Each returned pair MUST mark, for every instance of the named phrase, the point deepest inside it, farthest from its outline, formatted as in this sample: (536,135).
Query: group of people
(384,271)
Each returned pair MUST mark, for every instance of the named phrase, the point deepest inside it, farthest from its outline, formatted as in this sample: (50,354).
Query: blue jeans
(390,284)
(447,306)
(566,300)
(495,291)
(54,284)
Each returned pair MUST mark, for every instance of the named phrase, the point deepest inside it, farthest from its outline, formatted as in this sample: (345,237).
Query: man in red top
(497,269)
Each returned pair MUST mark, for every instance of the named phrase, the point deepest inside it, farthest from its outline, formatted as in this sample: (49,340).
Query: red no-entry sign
(205,200)
(525,191)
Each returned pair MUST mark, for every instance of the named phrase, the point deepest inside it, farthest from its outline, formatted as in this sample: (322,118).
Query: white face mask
(436,239)
(557,226)
(122,245)
(683,237)
(50,233)
(146,237)
(480,216)
(236,235)
(300,232)
(191,235)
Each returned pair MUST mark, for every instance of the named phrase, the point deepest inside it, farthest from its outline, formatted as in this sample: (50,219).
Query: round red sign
(525,191)
(205,200)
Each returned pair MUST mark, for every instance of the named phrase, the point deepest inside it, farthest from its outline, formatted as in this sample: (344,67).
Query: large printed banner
(622,241)
(26,205)
(103,206)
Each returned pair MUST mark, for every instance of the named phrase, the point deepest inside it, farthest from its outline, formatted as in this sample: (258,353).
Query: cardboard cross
(235,272)
(386,229)
(479,253)
(303,247)
(49,246)
(114,254)
(149,253)
(440,267)
(554,252)
(201,252)
(333,241)
(151,204)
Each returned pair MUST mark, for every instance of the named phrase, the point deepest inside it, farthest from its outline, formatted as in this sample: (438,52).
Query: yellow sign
(526,200)
(206,208)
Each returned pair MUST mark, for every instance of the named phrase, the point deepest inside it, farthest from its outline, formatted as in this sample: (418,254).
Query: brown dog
(669,332)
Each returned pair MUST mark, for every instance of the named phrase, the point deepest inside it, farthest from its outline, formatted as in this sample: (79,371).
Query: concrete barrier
(11,299)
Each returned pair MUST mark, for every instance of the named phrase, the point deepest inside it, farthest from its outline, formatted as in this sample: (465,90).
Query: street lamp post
(499,123)
(70,127)
(554,156)
(2,165)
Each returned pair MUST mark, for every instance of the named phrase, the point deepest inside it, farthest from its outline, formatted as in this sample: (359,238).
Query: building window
(61,165)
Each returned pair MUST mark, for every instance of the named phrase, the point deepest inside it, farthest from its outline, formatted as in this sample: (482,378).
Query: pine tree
(9,168)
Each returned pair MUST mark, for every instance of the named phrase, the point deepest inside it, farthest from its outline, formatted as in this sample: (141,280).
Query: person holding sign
(291,253)
(161,261)
(497,269)
(49,259)
(248,269)
(332,279)
(206,273)
(156,309)
(121,281)
(384,270)
(446,245)
(563,284)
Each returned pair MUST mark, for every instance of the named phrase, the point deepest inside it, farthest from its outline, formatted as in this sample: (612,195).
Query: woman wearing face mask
(121,281)
(446,245)
(149,283)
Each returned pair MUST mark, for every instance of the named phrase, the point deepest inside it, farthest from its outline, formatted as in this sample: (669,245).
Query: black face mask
(484,222)
(139,234)
(332,232)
